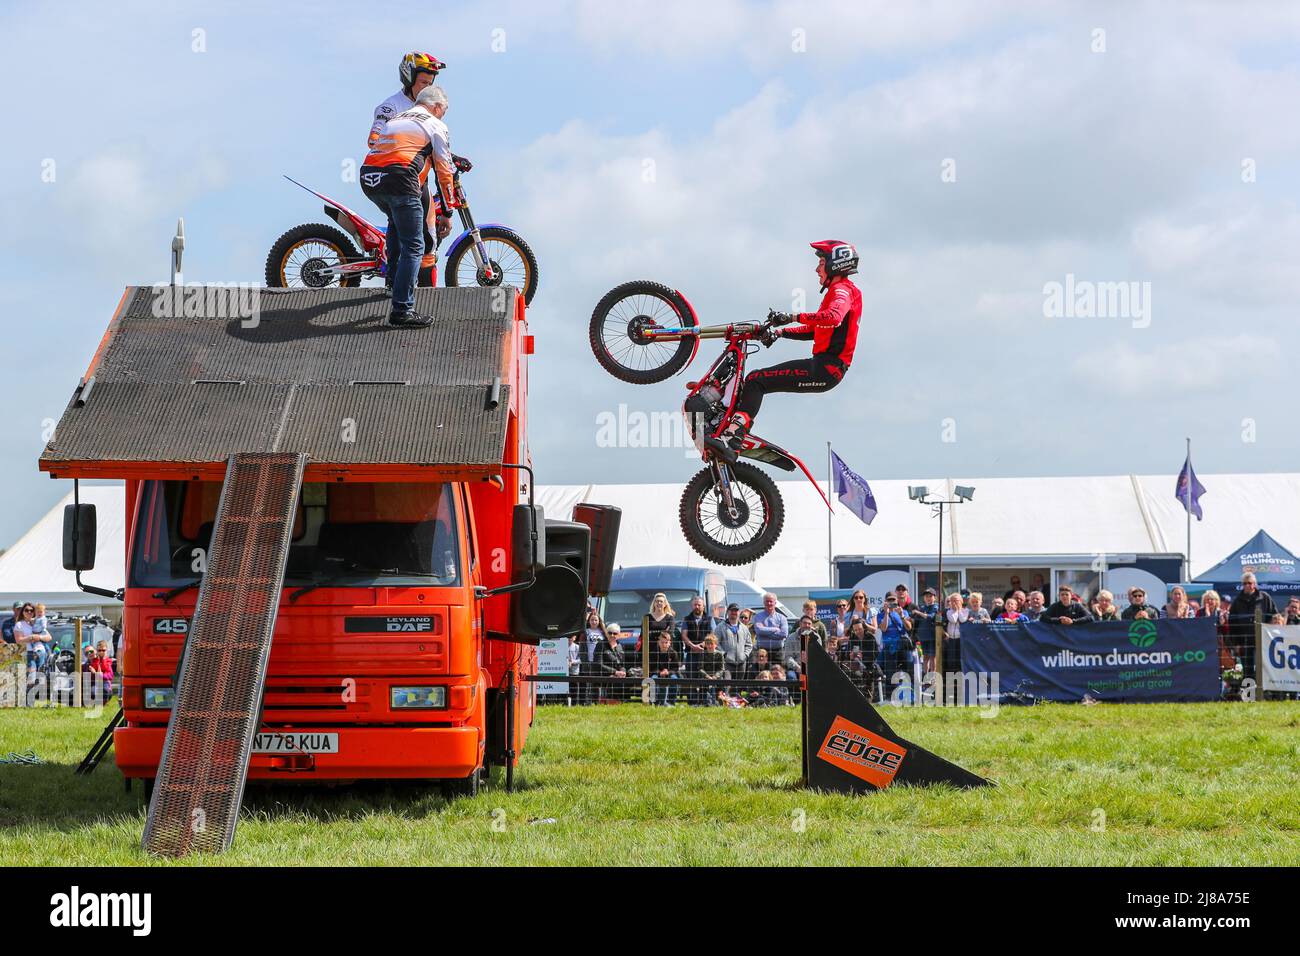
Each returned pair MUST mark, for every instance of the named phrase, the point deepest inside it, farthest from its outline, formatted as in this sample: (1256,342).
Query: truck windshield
(344,532)
(627,607)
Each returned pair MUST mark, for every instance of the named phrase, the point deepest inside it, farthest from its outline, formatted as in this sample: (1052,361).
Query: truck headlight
(159,698)
(417,698)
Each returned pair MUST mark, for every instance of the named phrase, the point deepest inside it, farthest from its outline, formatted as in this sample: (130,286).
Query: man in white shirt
(398,165)
(416,72)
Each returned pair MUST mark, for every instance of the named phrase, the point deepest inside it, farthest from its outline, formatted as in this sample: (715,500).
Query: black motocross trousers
(820,373)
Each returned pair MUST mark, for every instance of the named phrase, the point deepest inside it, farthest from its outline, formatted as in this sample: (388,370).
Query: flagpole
(830,484)
(1188,504)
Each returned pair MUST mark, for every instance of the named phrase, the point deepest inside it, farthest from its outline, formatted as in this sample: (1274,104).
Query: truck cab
(377,662)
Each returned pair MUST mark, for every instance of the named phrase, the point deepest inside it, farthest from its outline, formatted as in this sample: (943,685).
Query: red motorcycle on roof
(317,256)
(643,332)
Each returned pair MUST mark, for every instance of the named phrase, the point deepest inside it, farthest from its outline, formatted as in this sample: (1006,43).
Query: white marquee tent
(1109,514)
(1013,516)
(32,570)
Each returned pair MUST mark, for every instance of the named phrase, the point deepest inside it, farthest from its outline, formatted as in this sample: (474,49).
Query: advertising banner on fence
(553,658)
(1111,660)
(1279,665)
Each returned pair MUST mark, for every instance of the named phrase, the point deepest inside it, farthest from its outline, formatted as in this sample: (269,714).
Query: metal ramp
(217,707)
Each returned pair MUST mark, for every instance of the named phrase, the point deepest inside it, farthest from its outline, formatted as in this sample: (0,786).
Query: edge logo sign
(858,751)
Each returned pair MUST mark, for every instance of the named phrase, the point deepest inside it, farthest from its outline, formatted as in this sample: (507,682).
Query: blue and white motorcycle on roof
(317,256)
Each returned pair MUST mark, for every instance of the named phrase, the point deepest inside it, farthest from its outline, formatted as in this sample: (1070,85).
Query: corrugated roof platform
(191,376)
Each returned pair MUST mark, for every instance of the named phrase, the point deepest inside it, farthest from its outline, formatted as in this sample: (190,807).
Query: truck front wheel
(462,788)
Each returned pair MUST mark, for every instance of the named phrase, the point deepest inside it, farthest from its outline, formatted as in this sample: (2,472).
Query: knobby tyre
(709,531)
(627,310)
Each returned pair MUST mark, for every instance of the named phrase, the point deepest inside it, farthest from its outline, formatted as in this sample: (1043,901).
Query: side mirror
(527,542)
(604,521)
(79,537)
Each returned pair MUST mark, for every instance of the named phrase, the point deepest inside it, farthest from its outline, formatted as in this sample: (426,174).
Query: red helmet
(413,64)
(840,257)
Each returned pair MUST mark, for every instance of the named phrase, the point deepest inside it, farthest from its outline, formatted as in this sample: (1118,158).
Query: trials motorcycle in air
(643,332)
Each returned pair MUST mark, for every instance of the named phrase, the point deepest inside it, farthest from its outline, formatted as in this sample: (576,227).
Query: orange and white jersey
(399,102)
(399,159)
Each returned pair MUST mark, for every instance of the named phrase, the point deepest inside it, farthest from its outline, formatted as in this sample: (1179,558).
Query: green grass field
(625,784)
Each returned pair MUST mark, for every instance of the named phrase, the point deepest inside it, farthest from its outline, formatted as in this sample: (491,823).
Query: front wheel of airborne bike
(621,326)
(513,262)
(299,257)
(725,538)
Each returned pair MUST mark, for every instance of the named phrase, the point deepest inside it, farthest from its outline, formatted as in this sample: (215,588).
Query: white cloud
(1207,364)
(1238,252)
(115,194)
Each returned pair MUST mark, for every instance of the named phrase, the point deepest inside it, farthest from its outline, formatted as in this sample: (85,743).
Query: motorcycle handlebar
(750,329)
(736,329)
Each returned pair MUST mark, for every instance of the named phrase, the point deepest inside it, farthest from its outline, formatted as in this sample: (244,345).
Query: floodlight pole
(937,508)
(830,486)
(1187,568)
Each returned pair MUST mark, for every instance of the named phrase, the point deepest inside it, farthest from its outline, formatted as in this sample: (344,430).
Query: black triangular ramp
(863,754)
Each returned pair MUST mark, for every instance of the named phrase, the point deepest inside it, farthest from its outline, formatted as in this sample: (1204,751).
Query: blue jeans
(404,244)
(666,690)
(37,654)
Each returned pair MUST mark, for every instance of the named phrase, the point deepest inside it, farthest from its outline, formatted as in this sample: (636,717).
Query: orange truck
(417,575)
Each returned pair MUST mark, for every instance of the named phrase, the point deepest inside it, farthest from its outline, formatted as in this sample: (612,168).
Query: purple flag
(855,494)
(1189,490)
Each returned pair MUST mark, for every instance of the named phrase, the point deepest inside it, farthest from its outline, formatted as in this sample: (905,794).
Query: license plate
(296,743)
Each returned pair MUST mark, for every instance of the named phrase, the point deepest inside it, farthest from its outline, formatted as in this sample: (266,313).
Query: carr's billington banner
(1106,660)
(1279,664)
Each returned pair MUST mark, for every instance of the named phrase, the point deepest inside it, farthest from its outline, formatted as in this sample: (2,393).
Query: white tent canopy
(1112,514)
(32,570)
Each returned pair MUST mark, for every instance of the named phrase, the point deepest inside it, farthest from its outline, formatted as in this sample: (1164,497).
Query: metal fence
(766,679)
(912,673)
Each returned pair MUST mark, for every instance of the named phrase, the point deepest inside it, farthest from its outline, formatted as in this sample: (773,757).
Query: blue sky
(768,125)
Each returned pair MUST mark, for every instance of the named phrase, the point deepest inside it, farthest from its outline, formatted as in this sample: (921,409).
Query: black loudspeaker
(553,607)
(568,543)
(556,604)
(604,521)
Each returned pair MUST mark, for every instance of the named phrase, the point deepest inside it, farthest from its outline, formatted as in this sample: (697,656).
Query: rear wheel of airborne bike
(299,257)
(619,326)
(513,262)
(722,537)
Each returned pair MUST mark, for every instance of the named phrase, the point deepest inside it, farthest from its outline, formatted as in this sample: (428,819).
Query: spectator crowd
(40,649)
(728,645)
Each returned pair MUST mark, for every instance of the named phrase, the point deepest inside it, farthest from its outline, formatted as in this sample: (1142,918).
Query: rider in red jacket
(833,329)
